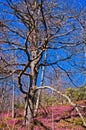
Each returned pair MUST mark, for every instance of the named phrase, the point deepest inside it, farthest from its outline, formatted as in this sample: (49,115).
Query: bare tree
(30,27)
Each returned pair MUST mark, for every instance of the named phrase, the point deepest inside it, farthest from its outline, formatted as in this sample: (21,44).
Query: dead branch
(69,100)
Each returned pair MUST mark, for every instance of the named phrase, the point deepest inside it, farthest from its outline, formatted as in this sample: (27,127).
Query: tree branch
(65,96)
(49,64)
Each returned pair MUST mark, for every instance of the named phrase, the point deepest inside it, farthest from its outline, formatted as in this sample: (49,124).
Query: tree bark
(41,84)
(28,113)
(30,98)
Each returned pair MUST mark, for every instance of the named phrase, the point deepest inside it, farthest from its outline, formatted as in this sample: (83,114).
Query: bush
(76,94)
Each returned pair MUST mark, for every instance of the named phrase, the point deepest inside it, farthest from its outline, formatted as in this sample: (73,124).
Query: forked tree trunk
(29,99)
(28,112)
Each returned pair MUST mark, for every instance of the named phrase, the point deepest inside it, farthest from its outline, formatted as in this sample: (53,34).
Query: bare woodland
(37,37)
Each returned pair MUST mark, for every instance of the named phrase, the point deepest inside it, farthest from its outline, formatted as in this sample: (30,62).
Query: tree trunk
(41,84)
(29,110)
(13,107)
(29,99)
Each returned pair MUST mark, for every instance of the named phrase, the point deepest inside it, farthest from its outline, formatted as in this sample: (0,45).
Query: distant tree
(32,27)
(76,94)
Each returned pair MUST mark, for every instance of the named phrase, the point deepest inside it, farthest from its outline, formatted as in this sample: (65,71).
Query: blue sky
(79,79)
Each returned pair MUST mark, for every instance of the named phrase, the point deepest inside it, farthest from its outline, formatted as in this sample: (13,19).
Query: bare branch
(49,64)
(65,96)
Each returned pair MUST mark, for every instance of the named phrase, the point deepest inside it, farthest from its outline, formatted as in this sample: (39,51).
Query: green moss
(76,121)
